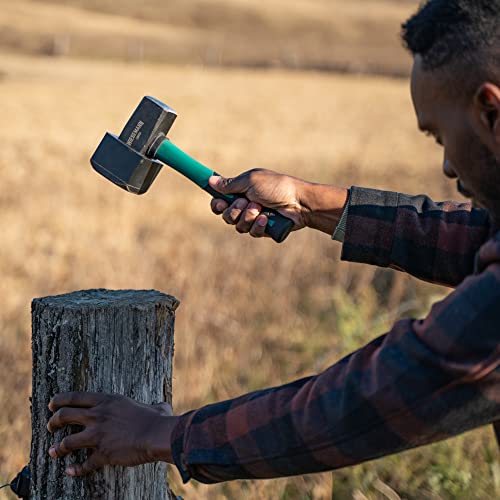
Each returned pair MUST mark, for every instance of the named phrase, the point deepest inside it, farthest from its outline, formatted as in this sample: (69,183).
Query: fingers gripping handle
(278,226)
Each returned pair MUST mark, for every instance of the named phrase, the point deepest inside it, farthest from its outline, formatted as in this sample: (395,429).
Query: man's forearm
(323,205)
(422,382)
(435,242)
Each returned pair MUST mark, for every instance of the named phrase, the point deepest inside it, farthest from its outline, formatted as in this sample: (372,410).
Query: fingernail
(252,208)
(214,180)
(262,222)
(241,204)
(70,471)
(220,207)
(52,452)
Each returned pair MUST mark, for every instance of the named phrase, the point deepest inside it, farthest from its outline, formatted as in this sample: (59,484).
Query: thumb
(227,185)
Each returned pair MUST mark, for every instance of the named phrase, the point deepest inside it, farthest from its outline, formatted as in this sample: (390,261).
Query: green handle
(195,171)
(173,156)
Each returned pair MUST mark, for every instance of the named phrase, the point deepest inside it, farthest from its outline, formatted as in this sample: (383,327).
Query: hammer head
(127,160)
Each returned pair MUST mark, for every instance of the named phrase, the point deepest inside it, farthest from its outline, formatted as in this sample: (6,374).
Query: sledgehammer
(134,159)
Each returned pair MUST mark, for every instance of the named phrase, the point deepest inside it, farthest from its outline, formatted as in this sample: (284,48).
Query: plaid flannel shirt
(424,381)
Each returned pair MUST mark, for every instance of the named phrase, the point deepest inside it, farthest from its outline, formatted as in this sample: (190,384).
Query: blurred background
(314,88)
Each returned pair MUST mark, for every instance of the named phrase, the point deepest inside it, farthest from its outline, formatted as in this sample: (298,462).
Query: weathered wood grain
(98,340)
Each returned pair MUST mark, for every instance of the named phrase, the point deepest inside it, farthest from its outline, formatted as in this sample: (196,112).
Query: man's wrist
(323,206)
(161,434)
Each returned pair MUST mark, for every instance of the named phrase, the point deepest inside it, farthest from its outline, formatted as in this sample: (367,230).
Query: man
(423,381)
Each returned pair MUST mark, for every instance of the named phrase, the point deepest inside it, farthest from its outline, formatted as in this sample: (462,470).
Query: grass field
(359,35)
(253,314)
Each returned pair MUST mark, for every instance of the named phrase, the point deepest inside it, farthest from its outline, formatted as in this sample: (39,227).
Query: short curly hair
(446,32)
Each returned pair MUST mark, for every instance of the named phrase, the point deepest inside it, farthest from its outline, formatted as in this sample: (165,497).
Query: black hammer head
(125,160)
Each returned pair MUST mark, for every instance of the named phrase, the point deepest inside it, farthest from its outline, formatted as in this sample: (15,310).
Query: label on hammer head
(135,133)
(150,119)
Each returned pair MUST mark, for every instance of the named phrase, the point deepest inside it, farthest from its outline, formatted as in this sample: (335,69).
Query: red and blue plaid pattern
(423,381)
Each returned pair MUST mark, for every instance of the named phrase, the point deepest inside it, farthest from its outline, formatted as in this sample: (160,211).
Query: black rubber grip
(278,227)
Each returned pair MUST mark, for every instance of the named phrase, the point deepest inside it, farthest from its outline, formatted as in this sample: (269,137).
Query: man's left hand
(118,430)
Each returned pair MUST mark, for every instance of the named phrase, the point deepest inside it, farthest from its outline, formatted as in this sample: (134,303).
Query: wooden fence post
(103,341)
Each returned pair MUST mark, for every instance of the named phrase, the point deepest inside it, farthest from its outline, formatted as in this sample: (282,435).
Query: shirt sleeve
(339,233)
(422,382)
(436,242)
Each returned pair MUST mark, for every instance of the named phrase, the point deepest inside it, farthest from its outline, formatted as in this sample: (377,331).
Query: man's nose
(448,169)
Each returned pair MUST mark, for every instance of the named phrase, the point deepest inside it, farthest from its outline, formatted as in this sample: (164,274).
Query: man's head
(456,90)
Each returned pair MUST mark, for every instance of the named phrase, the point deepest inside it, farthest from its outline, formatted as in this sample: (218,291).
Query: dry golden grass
(252,313)
(358,34)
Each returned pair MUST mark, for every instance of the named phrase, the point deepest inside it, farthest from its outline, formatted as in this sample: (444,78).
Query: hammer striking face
(134,159)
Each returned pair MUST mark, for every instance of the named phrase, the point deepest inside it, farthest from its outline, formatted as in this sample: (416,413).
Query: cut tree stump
(101,341)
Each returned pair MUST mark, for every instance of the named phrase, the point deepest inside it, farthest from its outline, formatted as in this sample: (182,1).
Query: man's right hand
(262,188)
(306,204)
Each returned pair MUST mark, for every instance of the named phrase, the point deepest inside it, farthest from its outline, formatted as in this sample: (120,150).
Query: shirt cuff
(186,462)
(177,445)
(339,233)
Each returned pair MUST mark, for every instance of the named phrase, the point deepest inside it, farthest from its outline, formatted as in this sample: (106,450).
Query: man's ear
(487,110)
